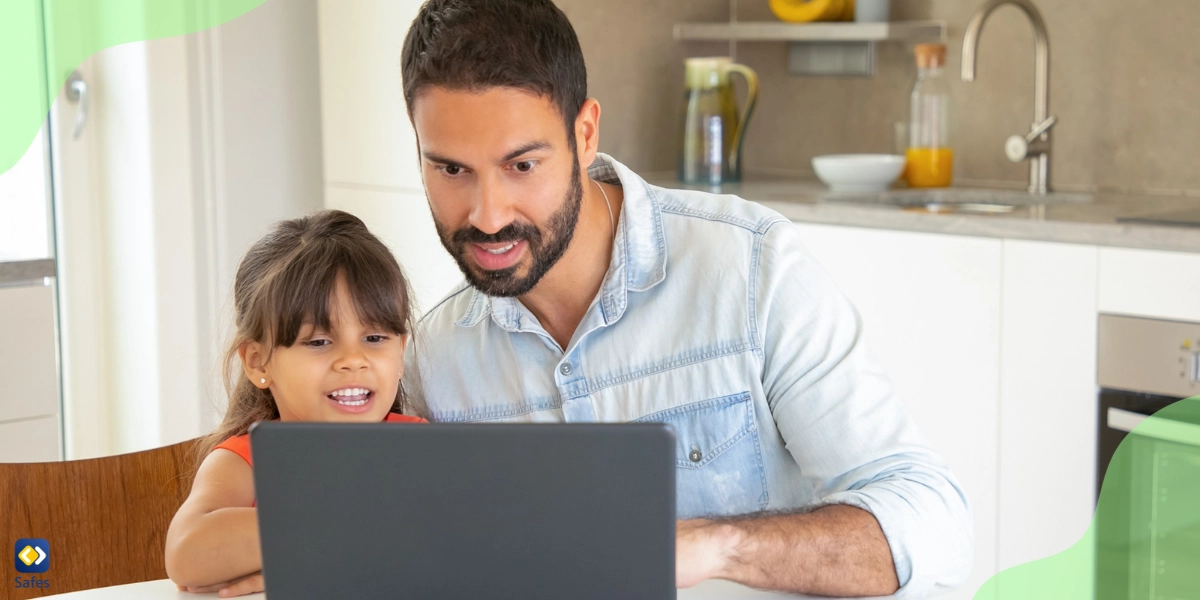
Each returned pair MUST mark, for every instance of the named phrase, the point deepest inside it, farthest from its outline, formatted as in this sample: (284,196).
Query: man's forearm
(832,551)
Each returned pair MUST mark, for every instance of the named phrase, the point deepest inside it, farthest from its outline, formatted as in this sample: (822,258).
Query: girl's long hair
(286,280)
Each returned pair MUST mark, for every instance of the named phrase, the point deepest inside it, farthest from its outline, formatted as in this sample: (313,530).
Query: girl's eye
(525,166)
(318,343)
(375,339)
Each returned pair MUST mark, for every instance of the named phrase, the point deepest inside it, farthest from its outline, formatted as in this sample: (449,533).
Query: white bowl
(859,172)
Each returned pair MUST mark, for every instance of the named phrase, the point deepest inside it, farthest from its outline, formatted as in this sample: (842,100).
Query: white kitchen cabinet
(30,440)
(930,306)
(1048,399)
(28,359)
(1150,283)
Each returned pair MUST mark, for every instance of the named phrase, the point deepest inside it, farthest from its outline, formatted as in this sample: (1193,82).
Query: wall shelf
(819,49)
(768,31)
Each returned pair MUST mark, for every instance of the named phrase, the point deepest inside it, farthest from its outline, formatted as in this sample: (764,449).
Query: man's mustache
(513,232)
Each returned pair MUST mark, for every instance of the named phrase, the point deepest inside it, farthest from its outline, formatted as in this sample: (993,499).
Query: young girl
(322,316)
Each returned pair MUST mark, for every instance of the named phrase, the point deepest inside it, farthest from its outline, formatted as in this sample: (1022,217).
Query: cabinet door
(34,440)
(28,368)
(1048,399)
(1150,283)
(930,306)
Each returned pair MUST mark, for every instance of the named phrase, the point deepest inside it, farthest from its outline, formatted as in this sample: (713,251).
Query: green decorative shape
(42,41)
(1144,539)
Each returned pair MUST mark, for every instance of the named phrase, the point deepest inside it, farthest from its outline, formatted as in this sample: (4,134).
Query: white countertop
(163,589)
(1099,222)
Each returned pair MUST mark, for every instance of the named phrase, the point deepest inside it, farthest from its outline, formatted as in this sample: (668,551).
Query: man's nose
(493,208)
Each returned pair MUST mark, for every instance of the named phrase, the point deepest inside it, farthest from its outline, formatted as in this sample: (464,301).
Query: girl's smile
(352,399)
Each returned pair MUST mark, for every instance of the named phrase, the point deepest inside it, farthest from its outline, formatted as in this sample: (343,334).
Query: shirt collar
(639,258)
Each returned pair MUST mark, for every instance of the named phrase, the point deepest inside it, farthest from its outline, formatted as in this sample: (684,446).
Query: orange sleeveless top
(240,444)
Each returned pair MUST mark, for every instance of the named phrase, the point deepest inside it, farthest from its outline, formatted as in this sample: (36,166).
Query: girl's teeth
(351,396)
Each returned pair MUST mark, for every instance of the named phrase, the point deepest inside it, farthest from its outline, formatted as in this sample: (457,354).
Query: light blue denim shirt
(714,318)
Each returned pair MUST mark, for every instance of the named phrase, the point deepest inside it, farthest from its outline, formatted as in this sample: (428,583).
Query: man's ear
(254,364)
(587,132)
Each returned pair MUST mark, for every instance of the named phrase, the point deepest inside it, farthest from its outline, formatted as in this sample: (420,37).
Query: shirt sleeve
(843,423)
(239,445)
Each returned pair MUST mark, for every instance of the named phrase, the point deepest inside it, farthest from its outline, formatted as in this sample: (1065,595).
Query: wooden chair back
(105,519)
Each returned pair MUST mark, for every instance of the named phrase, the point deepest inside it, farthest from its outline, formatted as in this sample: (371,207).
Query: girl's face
(347,374)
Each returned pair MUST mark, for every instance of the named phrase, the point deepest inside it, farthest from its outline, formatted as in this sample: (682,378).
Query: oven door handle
(1124,420)
(1157,428)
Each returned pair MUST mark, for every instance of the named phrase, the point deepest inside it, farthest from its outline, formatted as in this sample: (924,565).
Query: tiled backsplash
(1125,78)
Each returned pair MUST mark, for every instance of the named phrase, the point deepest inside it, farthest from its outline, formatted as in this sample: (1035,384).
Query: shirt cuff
(930,552)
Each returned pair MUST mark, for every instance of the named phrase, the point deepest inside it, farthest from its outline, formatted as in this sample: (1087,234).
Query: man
(593,296)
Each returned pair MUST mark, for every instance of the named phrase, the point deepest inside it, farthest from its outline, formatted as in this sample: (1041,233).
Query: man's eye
(452,170)
(525,166)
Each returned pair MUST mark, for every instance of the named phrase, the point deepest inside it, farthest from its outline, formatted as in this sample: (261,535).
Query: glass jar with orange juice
(930,159)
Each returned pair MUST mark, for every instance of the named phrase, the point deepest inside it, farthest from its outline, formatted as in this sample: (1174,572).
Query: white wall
(257,122)
(129,170)
(371,167)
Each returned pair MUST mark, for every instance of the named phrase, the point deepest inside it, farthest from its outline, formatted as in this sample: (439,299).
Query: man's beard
(545,248)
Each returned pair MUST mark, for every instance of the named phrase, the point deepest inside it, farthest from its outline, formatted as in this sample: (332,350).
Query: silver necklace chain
(612,223)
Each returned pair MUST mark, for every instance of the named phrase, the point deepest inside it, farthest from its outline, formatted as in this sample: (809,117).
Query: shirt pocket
(719,464)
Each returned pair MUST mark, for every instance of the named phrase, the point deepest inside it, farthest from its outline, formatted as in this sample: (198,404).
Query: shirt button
(565,369)
(695,456)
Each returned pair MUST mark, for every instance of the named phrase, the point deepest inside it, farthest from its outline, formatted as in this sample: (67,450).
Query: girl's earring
(263,381)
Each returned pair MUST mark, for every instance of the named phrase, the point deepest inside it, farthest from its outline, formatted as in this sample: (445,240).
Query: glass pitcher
(713,129)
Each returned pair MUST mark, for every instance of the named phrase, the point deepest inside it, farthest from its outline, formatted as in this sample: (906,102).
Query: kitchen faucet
(1034,146)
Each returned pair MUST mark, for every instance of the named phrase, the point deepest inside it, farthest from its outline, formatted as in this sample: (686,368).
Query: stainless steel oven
(1148,525)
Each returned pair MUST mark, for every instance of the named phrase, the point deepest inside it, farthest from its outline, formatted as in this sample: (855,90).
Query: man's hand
(702,551)
(250,584)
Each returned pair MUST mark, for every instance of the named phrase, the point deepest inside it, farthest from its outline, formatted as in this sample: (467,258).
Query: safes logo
(32,555)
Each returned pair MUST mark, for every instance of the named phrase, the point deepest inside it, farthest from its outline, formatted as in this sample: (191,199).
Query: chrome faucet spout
(1036,147)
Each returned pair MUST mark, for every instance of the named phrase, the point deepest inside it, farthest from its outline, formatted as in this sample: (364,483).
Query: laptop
(471,511)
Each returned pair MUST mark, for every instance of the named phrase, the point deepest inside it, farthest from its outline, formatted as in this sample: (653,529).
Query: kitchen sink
(958,200)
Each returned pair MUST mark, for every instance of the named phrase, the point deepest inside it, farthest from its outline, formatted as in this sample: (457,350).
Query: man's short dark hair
(473,45)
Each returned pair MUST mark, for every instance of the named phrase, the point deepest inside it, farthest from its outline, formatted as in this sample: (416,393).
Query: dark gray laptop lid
(359,511)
